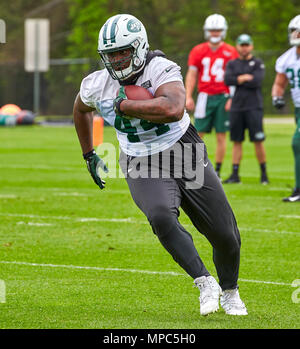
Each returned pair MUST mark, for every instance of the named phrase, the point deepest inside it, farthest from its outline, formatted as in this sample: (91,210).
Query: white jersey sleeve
(91,87)
(164,71)
(279,66)
(286,60)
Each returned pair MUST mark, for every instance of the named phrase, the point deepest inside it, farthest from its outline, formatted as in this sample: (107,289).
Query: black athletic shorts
(247,119)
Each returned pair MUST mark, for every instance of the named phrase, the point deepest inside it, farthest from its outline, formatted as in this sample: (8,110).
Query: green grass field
(72,256)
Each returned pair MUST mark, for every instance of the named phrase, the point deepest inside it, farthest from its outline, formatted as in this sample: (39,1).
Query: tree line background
(172,26)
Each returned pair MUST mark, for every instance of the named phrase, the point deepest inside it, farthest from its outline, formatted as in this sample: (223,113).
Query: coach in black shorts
(246,73)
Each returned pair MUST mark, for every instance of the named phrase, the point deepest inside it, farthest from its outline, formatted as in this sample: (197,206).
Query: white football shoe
(232,304)
(210,292)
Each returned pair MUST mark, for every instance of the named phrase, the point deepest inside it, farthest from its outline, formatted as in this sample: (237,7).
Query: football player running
(146,129)
(207,62)
(288,71)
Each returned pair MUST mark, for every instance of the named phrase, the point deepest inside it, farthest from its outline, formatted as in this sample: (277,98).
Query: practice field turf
(72,256)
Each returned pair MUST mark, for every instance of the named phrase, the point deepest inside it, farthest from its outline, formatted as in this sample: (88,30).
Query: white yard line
(8,196)
(269,231)
(78,219)
(280,189)
(131,220)
(36,224)
(259,230)
(70,194)
(82,170)
(40,167)
(289,216)
(58,192)
(171,273)
(280,120)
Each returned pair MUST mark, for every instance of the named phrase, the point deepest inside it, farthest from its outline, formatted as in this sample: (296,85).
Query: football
(135,92)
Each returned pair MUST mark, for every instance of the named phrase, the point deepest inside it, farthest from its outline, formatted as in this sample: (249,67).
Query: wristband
(87,155)
(117,103)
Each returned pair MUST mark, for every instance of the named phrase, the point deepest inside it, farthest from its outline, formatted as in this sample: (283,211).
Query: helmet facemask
(214,39)
(294,36)
(120,69)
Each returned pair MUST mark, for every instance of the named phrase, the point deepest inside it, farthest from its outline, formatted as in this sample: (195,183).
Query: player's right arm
(190,83)
(279,85)
(278,88)
(83,120)
(192,74)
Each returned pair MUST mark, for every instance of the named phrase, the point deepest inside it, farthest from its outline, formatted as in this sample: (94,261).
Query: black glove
(119,99)
(278,102)
(94,162)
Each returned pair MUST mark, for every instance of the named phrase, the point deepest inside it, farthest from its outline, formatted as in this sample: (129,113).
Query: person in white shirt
(288,72)
(147,130)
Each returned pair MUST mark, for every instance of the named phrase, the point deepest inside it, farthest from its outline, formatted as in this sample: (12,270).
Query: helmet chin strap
(215,39)
(124,72)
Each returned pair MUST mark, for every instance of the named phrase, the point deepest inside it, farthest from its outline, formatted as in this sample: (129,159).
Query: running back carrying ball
(160,123)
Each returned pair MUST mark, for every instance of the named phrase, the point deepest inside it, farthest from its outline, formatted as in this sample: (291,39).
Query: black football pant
(208,209)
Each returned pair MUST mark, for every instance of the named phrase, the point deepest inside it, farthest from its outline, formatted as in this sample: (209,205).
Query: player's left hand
(94,162)
(117,102)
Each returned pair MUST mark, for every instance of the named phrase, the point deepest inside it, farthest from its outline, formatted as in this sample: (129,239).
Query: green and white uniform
(136,137)
(289,64)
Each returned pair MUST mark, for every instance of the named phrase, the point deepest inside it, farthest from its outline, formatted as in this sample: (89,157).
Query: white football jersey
(136,137)
(289,64)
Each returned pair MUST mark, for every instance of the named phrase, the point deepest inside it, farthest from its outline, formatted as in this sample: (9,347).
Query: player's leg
(221,124)
(211,214)
(261,158)
(260,152)
(220,151)
(237,153)
(295,196)
(159,199)
(237,136)
(254,120)
(203,115)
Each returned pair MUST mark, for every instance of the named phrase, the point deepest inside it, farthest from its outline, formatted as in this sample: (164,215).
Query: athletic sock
(235,169)
(296,150)
(218,167)
(263,168)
